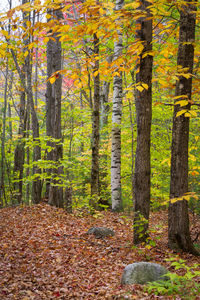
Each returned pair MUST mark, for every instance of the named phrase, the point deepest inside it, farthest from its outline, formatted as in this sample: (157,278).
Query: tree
(143,100)
(53,107)
(178,223)
(95,128)
(19,154)
(36,185)
(116,125)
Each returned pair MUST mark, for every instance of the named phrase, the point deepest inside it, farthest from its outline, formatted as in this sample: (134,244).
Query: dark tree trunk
(19,153)
(3,136)
(53,104)
(143,101)
(178,225)
(95,131)
(50,111)
(36,185)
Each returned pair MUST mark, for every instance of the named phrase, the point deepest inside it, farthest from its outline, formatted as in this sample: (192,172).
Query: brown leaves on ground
(45,254)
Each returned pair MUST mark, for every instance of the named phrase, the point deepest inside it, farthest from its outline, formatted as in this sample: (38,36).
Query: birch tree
(95,129)
(116,125)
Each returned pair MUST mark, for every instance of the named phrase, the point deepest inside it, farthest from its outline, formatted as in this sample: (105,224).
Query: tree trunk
(116,126)
(19,153)
(50,111)
(104,141)
(143,101)
(3,136)
(178,225)
(95,131)
(53,95)
(36,185)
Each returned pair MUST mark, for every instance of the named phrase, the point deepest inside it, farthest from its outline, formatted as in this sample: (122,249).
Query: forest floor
(45,254)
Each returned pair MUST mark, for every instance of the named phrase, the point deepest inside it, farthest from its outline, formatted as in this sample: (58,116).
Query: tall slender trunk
(36,185)
(28,156)
(95,130)
(19,153)
(143,101)
(178,225)
(104,139)
(50,111)
(116,126)
(53,98)
(2,183)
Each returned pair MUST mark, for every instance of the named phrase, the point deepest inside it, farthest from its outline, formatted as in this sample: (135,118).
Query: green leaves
(183,285)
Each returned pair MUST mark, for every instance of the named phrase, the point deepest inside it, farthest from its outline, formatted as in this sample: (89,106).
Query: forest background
(72,157)
(79,82)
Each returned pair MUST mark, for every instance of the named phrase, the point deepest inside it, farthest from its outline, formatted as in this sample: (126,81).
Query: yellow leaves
(181,96)
(26,53)
(186,196)
(134,5)
(46,39)
(2,53)
(96,73)
(28,23)
(55,76)
(139,88)
(5,33)
(52,79)
(182,103)
(163,82)
(187,76)
(151,53)
(142,86)
(31,46)
(187,113)
(193,113)
(48,16)
(145,86)
(181,112)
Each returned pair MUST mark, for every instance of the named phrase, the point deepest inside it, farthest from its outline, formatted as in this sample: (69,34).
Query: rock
(143,272)
(101,232)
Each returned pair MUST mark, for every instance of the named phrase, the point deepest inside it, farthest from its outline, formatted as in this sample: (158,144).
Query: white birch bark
(116,127)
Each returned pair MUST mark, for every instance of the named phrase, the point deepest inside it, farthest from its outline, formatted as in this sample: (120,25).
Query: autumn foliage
(45,254)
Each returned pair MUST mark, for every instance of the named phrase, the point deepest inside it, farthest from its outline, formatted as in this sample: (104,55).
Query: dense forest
(99,104)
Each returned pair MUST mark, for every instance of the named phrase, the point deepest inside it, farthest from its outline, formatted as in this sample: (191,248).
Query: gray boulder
(101,232)
(143,272)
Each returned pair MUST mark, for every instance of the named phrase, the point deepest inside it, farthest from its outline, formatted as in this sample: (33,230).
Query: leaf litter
(46,254)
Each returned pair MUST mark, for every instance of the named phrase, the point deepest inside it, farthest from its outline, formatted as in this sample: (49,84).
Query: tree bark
(104,140)
(95,131)
(116,126)
(50,111)
(143,101)
(19,153)
(53,98)
(178,220)
(36,185)
(3,136)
